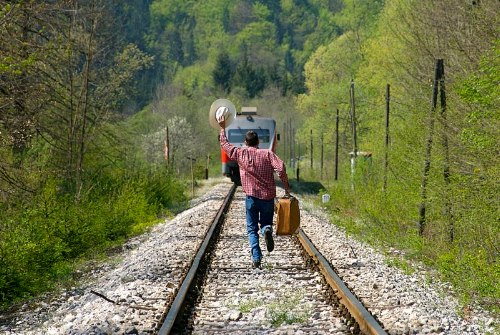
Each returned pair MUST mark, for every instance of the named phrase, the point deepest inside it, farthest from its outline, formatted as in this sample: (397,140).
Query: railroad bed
(141,281)
(282,297)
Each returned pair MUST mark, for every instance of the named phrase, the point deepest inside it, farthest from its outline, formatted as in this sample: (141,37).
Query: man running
(257,179)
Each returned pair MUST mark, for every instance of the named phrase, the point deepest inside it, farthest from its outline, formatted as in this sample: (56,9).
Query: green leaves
(11,66)
(70,181)
(481,90)
(397,43)
(39,243)
(120,85)
(483,87)
(252,79)
(223,72)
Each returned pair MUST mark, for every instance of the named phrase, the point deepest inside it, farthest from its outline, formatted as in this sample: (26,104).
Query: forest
(392,105)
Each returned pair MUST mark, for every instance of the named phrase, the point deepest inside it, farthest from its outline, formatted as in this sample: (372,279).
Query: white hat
(221,107)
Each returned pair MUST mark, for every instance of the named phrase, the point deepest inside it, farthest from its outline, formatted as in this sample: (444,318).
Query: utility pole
(386,158)
(446,164)
(285,135)
(167,147)
(192,174)
(290,143)
(311,148)
(353,121)
(422,219)
(337,145)
(322,151)
(298,161)
(354,154)
(208,164)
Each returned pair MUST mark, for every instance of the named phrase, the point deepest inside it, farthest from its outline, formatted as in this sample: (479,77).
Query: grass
(246,306)
(288,310)
(400,263)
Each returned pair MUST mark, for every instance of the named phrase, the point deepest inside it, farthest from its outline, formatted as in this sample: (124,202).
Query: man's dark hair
(251,138)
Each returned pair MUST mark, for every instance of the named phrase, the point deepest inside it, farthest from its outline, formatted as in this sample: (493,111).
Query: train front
(265,128)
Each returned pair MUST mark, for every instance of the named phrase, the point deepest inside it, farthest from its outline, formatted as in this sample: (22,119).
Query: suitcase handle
(287,196)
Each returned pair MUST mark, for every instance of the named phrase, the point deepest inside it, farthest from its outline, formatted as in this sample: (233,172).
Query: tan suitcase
(287,216)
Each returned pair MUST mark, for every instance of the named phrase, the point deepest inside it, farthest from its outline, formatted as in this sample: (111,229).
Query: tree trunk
(428,149)
(83,108)
(386,151)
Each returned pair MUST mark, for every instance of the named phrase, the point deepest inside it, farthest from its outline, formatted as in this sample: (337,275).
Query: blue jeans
(259,212)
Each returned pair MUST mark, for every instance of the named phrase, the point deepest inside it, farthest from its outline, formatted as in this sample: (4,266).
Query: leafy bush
(40,241)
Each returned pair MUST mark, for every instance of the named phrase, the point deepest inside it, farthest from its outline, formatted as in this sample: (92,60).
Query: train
(246,120)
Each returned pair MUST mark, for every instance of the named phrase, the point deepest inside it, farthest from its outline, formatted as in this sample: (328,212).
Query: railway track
(132,292)
(223,294)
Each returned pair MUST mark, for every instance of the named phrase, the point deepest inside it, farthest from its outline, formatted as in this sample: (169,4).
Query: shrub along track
(286,295)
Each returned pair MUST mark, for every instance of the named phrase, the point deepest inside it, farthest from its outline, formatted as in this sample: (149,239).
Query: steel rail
(178,302)
(367,323)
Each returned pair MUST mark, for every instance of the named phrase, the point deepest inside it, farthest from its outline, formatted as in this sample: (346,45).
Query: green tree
(69,180)
(223,72)
(397,43)
(253,80)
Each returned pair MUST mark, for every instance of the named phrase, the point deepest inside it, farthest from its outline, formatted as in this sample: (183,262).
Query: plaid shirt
(256,168)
